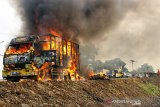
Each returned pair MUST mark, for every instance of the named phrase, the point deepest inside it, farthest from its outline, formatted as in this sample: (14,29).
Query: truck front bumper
(23,73)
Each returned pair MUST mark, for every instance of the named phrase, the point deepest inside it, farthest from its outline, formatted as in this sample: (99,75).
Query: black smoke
(76,19)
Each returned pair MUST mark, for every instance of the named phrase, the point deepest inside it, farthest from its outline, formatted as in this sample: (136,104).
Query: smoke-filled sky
(87,19)
(128,29)
(136,36)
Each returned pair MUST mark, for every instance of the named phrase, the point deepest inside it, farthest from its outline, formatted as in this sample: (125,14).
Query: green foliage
(145,68)
(114,64)
(150,89)
(98,65)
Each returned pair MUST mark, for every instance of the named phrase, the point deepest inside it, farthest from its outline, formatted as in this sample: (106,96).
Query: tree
(114,64)
(145,68)
(98,65)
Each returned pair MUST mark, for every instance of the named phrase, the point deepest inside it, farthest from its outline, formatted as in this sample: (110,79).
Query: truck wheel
(13,79)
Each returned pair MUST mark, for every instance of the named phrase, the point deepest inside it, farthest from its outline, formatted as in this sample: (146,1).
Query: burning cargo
(41,57)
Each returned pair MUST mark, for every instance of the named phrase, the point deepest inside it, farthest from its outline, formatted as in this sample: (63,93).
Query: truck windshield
(17,59)
(18,48)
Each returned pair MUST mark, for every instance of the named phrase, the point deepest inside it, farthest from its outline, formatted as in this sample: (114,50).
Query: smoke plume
(76,19)
(128,29)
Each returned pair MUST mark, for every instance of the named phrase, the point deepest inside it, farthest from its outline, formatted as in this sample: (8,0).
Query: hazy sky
(137,36)
(9,26)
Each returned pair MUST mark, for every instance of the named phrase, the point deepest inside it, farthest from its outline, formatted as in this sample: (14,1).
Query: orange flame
(72,70)
(44,72)
(20,50)
(90,74)
(53,32)
(46,46)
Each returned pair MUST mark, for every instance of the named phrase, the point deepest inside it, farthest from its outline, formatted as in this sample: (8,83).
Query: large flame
(19,49)
(63,49)
(72,70)
(53,32)
(44,72)
(90,74)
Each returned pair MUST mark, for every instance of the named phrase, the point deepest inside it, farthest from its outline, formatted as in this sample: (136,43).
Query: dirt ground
(89,93)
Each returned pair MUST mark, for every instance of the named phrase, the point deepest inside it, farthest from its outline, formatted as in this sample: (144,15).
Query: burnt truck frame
(56,51)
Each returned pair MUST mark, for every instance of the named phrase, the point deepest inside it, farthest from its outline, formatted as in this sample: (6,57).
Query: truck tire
(15,79)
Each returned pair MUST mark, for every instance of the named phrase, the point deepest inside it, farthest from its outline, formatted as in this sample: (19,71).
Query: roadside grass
(150,89)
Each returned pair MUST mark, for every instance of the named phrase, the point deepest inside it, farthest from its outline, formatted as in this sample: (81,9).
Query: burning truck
(41,57)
